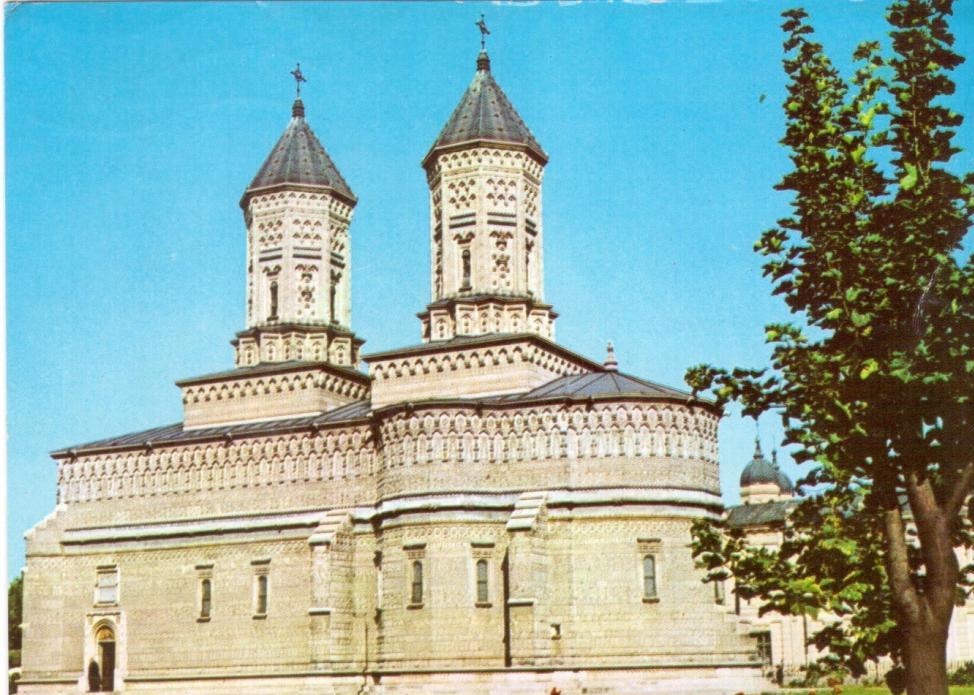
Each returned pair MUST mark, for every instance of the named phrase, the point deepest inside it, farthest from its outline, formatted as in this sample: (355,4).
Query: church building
(484,511)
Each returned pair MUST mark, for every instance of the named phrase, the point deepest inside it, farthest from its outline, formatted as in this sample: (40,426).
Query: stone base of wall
(717,680)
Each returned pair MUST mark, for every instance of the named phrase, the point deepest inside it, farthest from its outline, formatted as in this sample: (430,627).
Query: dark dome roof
(299,158)
(485,113)
(761,471)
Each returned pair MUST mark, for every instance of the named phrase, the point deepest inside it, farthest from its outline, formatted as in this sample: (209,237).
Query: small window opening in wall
(763,646)
(555,630)
(416,594)
(649,578)
(106,586)
(720,594)
(465,260)
(273,314)
(482,586)
(206,598)
(737,603)
(260,608)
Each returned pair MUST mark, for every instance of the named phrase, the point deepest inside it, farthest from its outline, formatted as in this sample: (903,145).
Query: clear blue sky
(133,129)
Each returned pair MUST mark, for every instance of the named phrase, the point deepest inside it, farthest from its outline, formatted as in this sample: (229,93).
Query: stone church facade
(482,512)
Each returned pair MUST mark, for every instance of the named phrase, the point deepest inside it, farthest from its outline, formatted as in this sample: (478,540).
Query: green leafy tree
(874,377)
(15,614)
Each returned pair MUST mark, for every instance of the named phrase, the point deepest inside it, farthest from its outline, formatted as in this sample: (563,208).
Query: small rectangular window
(416,593)
(763,646)
(649,577)
(261,587)
(415,573)
(206,597)
(261,608)
(649,567)
(204,576)
(720,594)
(482,586)
(106,586)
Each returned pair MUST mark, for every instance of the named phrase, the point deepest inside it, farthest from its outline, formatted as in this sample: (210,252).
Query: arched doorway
(105,640)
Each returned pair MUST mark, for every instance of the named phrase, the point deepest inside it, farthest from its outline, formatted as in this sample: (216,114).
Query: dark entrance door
(107,666)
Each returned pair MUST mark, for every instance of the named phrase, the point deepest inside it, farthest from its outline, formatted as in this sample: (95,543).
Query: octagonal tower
(484,173)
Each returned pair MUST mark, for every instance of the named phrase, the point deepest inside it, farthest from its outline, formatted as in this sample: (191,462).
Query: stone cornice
(459,344)
(435,152)
(268,369)
(450,302)
(351,201)
(568,498)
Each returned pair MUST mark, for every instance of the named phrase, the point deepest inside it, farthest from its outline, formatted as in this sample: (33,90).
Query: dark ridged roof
(604,383)
(759,514)
(176,433)
(299,158)
(485,113)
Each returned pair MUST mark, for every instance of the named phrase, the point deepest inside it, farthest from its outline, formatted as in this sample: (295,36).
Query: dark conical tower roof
(298,158)
(485,113)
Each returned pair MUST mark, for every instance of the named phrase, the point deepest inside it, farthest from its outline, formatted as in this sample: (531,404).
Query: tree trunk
(925,655)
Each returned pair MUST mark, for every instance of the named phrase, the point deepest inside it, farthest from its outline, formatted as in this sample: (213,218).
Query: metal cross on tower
(484,31)
(298,78)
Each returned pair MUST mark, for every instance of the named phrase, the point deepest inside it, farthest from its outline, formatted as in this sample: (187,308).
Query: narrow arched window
(720,593)
(273,314)
(465,260)
(482,587)
(416,595)
(205,598)
(649,576)
(331,302)
(261,594)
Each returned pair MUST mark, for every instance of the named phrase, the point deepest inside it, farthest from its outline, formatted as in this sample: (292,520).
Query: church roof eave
(344,415)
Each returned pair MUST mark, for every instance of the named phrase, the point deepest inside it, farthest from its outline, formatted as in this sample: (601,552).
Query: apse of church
(483,511)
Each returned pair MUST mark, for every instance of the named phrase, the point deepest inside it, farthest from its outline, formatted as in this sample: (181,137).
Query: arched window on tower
(465,261)
(273,312)
(332,297)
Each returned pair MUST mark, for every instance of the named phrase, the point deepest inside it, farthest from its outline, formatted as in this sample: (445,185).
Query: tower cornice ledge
(350,199)
(538,155)
(482,340)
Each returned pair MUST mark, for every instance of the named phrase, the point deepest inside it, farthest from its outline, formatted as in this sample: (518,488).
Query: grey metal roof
(759,514)
(176,433)
(299,158)
(602,383)
(485,113)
